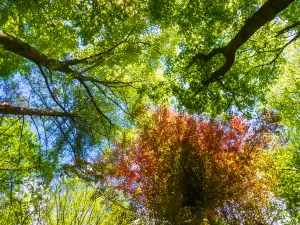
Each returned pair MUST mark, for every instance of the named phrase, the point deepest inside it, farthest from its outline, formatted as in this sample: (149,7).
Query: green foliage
(284,98)
(120,47)
(105,63)
(69,202)
(24,170)
(207,26)
(288,167)
(74,202)
(21,156)
(284,95)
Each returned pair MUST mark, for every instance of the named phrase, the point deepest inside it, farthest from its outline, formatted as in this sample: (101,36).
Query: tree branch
(288,28)
(261,17)
(21,48)
(12,110)
(49,89)
(94,102)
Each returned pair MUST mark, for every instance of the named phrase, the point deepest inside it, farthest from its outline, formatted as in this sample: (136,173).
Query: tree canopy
(149,111)
(185,169)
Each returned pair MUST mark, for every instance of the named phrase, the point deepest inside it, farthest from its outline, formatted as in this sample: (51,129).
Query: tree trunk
(11,110)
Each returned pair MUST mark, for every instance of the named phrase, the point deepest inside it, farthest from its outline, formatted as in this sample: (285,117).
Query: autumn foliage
(186,168)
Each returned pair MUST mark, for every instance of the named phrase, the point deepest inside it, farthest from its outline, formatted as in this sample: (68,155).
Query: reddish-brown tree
(184,168)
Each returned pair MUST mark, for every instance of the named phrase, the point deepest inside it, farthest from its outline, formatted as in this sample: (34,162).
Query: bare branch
(94,102)
(108,51)
(49,89)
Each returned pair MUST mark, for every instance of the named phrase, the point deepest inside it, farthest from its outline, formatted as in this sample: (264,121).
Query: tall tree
(102,57)
(186,169)
(284,100)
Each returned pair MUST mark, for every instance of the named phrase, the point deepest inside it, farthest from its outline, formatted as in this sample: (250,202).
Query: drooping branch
(102,114)
(49,89)
(12,110)
(261,17)
(21,48)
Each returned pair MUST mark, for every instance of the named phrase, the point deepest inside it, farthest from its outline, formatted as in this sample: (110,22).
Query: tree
(93,68)
(69,201)
(80,72)
(284,100)
(23,167)
(103,62)
(20,154)
(74,202)
(230,52)
(185,169)
(85,50)
(287,164)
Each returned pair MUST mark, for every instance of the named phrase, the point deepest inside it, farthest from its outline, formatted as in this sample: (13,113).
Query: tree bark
(11,110)
(21,48)
(261,17)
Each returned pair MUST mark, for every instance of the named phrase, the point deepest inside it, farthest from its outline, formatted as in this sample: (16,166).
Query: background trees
(68,202)
(284,98)
(24,169)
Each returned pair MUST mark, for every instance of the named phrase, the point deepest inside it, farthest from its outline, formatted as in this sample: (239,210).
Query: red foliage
(181,161)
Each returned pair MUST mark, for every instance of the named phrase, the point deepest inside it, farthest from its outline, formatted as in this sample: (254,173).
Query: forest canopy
(149,112)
